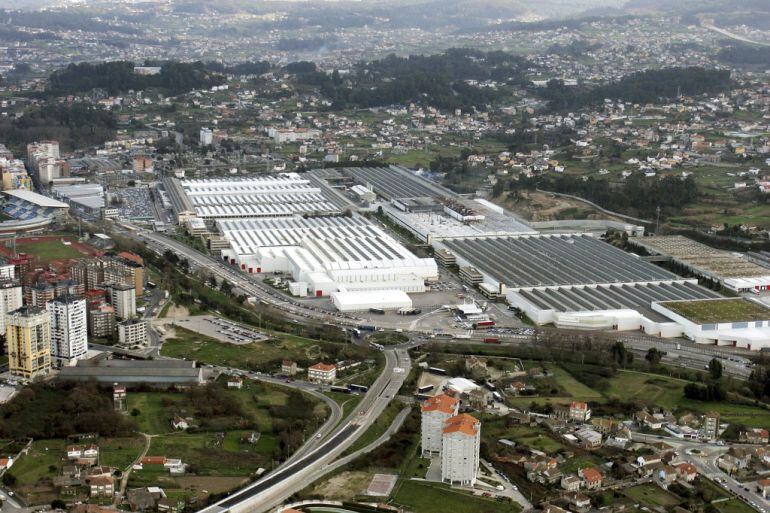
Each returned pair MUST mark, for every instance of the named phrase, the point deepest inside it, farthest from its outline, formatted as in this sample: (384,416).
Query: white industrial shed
(257,196)
(362,300)
(328,254)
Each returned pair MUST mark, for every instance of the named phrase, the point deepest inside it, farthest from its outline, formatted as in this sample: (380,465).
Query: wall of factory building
(746,335)
(320,282)
(620,320)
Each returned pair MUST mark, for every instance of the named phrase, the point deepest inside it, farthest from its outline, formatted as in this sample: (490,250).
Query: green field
(719,310)
(155,410)
(436,498)
(652,496)
(37,464)
(653,390)
(120,452)
(47,250)
(192,346)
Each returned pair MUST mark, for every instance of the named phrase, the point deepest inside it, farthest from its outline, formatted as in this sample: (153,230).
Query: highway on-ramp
(297,473)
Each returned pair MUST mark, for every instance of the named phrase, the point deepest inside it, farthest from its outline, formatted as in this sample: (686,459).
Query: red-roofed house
(322,373)
(592,478)
(686,471)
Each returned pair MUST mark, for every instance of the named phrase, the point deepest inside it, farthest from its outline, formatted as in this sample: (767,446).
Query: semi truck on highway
(483,325)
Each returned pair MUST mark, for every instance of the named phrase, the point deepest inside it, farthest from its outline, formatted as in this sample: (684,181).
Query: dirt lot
(344,486)
(176,311)
(210,484)
(539,206)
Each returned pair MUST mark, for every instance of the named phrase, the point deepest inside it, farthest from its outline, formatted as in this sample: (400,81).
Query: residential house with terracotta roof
(686,472)
(322,373)
(460,446)
(592,478)
(436,411)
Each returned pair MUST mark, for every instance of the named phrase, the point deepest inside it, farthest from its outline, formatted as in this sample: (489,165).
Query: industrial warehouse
(292,227)
(262,196)
(577,281)
(326,255)
(733,271)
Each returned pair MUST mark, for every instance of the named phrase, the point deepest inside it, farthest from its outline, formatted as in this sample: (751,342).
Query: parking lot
(216,327)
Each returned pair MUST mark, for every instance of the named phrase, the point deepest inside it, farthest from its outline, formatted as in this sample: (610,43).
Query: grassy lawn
(120,452)
(47,250)
(435,498)
(576,389)
(719,310)
(734,506)
(215,454)
(380,425)
(192,346)
(44,455)
(659,390)
(652,496)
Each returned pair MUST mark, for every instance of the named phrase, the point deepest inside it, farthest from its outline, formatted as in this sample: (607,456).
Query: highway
(298,472)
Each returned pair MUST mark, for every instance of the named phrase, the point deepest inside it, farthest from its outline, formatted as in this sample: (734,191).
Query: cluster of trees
(70,20)
(74,126)
(638,193)
(118,76)
(714,391)
(44,410)
(242,68)
(745,55)
(438,80)
(641,87)
(212,401)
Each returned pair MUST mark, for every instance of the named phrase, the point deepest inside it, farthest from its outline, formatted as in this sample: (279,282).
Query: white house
(322,373)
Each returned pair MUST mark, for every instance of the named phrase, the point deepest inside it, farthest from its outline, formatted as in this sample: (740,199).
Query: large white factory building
(328,255)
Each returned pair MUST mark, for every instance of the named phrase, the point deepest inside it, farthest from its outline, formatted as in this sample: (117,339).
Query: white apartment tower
(123,299)
(69,327)
(461,442)
(11,298)
(206,137)
(435,413)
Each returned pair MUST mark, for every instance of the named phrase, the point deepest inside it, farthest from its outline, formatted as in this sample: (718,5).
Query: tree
(621,355)
(58,504)
(9,479)
(715,368)
(653,357)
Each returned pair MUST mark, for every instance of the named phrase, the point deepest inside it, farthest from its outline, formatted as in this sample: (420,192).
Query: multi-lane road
(312,463)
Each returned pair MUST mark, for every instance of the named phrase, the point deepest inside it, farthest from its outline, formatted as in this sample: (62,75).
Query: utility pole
(657,220)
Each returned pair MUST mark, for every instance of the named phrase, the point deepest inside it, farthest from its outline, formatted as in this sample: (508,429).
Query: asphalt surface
(296,474)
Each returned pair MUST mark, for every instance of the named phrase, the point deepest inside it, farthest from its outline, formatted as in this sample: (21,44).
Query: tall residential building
(101,321)
(43,157)
(711,425)
(11,299)
(88,272)
(122,297)
(435,412)
(125,268)
(206,137)
(132,332)
(461,443)
(28,342)
(69,328)
(7,272)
